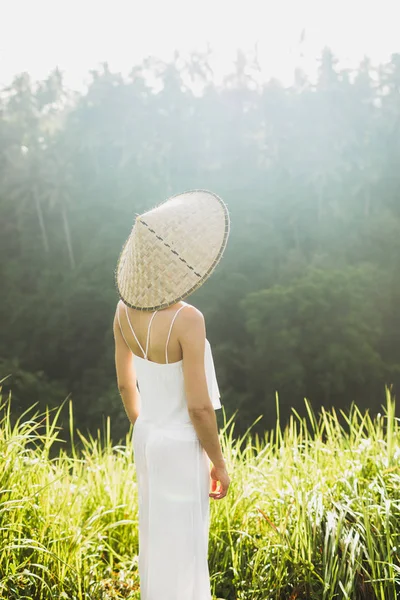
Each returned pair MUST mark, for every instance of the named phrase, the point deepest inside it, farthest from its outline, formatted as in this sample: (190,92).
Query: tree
(310,176)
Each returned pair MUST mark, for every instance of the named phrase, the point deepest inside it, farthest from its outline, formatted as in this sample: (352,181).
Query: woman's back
(160,337)
(161,384)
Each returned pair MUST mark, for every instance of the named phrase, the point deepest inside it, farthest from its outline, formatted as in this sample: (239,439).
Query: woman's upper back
(153,336)
(159,341)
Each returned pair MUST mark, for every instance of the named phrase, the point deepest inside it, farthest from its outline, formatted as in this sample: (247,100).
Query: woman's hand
(219,475)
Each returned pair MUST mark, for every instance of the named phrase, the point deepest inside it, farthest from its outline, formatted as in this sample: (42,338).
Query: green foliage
(322,330)
(306,299)
(26,384)
(312,510)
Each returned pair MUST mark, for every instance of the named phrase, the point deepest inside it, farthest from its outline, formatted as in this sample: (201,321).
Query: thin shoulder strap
(148,332)
(120,328)
(130,325)
(170,329)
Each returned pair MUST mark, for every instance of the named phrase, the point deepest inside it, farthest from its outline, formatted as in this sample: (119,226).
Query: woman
(161,348)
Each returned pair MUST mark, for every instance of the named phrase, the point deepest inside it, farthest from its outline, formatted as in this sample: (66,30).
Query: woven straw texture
(172,249)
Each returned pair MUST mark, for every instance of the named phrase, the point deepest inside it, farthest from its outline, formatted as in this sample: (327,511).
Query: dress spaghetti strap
(170,329)
(148,333)
(120,328)
(145,352)
(134,334)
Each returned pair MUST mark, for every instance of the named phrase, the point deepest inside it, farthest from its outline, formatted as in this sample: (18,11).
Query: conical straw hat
(172,249)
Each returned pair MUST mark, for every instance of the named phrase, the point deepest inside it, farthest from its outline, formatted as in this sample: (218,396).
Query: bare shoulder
(192,314)
(117,309)
(119,305)
(192,322)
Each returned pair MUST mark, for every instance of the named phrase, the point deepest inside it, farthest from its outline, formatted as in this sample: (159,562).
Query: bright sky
(77,35)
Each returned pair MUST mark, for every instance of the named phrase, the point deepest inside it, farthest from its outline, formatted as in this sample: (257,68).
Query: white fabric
(173,479)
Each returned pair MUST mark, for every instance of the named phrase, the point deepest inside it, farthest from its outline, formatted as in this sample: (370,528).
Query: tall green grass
(312,511)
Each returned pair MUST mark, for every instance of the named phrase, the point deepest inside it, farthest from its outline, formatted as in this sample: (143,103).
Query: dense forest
(306,300)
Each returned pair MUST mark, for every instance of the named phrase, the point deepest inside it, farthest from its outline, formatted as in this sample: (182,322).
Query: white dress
(173,481)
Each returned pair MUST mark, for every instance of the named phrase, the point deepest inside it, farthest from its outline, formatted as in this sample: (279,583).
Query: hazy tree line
(306,298)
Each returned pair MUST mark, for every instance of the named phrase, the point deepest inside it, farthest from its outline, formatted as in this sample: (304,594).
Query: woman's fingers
(217,495)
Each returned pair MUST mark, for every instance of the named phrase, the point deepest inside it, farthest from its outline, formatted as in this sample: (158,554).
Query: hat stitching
(168,246)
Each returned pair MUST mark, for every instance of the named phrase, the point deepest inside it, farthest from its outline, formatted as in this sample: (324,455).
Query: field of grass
(312,511)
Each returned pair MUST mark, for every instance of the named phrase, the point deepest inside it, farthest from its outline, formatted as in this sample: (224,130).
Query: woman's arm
(201,411)
(126,375)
